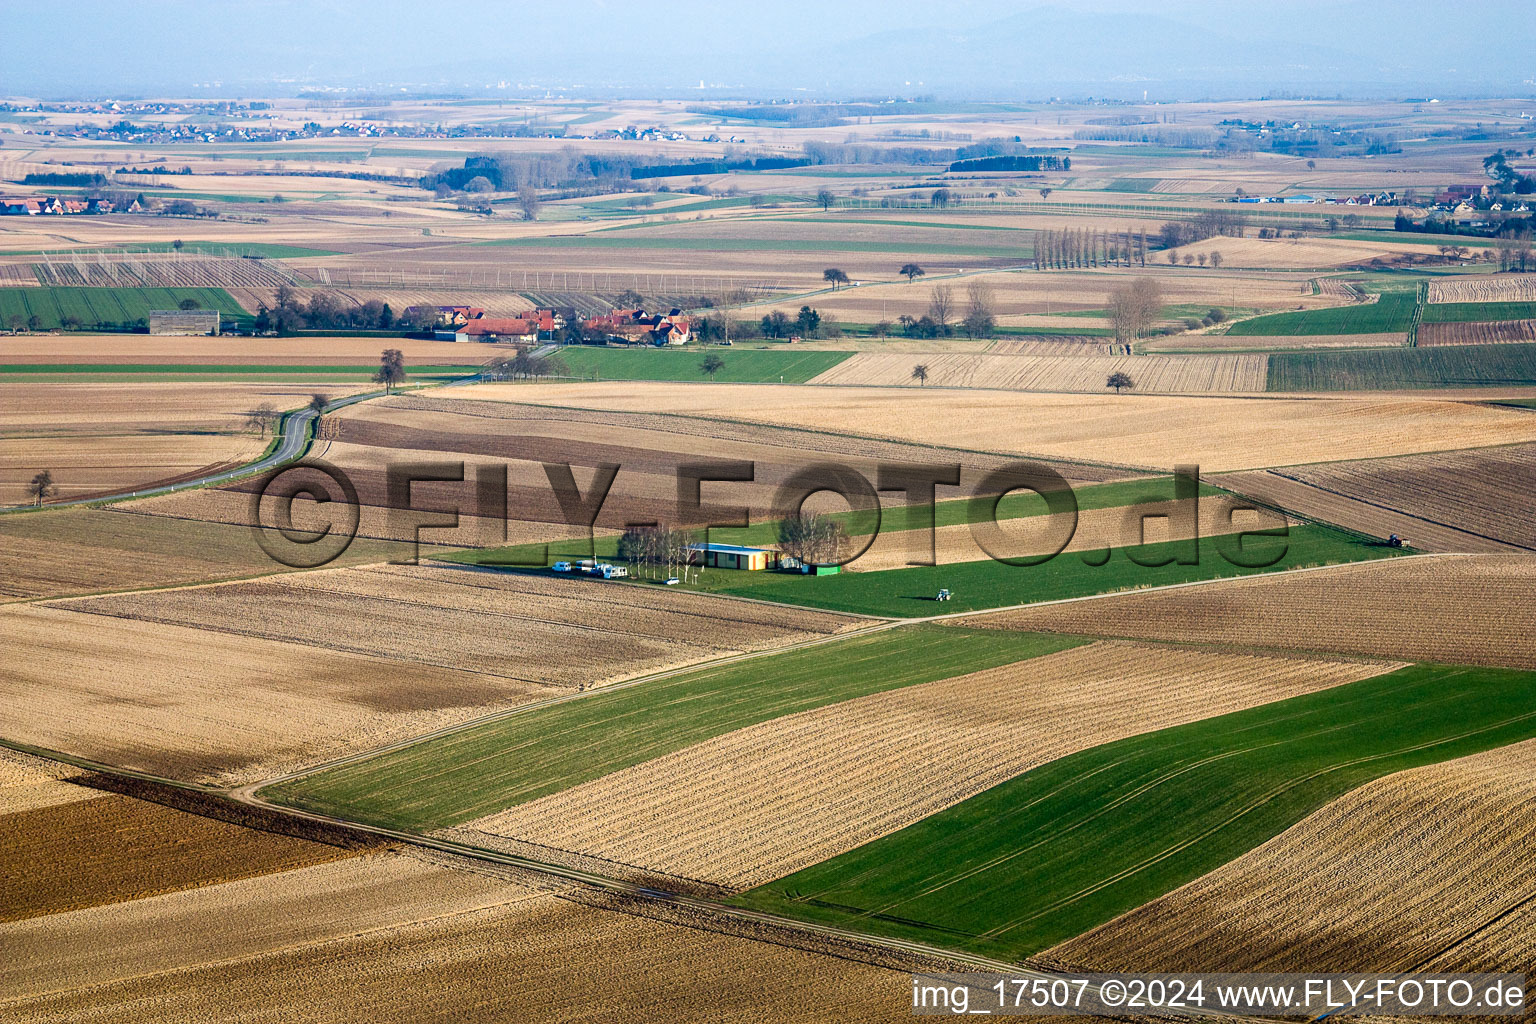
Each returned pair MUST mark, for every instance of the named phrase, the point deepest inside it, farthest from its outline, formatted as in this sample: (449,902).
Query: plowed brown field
(533,630)
(1498,332)
(1462,609)
(1395,876)
(1274,488)
(81,550)
(113,848)
(1483,491)
(761,802)
(1149,431)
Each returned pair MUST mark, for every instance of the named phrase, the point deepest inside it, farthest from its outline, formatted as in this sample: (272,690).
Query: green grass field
(1470,312)
(908,593)
(742,366)
(499,764)
(1391,313)
(1067,846)
(1390,368)
(115,306)
(989,584)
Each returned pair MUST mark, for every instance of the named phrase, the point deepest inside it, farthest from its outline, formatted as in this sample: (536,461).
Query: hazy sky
(964,48)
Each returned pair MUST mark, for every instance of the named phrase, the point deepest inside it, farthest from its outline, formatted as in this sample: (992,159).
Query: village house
(469,323)
(491,329)
(635,326)
(33,206)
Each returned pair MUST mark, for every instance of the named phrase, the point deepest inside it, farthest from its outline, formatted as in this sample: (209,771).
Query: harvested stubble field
(533,630)
(1497,332)
(1222,374)
(1466,609)
(390,938)
(758,803)
(1395,876)
(1062,345)
(1298,253)
(112,848)
(1483,491)
(1492,288)
(64,551)
(1097,528)
(1234,343)
(1111,827)
(28,782)
(239,709)
(1274,488)
(1146,431)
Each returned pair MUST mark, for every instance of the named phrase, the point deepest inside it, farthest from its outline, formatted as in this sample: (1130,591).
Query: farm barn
(183,321)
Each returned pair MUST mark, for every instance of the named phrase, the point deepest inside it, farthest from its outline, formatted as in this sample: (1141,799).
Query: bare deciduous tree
(528,201)
(1133,308)
(941,306)
(1118,380)
(812,538)
(920,374)
(42,487)
(261,418)
(391,369)
(980,315)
